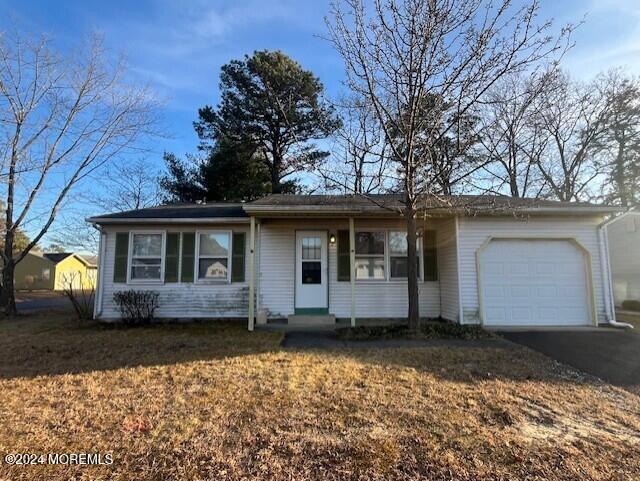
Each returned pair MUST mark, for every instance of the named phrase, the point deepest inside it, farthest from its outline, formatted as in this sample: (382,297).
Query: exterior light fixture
(332,239)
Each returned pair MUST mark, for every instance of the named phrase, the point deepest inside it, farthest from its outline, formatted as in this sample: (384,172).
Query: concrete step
(311,320)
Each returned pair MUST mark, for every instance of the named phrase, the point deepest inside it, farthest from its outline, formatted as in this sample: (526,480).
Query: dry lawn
(210,401)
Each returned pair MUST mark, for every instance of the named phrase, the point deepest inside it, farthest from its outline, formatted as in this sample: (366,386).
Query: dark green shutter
(121,257)
(237,257)
(430,254)
(171,257)
(188,256)
(344,258)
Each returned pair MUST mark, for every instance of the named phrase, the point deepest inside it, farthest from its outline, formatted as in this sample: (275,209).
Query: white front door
(311,272)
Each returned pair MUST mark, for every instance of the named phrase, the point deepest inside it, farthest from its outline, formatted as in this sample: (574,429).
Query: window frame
(418,255)
(130,256)
(197,278)
(383,255)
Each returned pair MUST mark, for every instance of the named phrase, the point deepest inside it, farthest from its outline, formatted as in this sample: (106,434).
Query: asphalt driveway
(610,354)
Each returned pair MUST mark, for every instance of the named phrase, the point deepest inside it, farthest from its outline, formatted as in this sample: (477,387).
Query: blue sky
(178,47)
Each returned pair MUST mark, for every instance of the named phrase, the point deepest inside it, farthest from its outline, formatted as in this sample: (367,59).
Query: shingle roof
(91,260)
(57,256)
(371,204)
(180,211)
(395,201)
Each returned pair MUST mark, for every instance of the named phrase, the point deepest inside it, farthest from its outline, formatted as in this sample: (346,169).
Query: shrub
(81,293)
(136,307)
(631,305)
(428,330)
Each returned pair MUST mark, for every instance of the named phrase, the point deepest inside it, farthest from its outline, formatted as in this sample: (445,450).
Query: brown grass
(210,401)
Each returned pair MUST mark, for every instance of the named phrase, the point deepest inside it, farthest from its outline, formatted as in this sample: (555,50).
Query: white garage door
(537,283)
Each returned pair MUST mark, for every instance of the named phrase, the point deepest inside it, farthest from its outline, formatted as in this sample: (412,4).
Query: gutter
(392,210)
(168,220)
(605,267)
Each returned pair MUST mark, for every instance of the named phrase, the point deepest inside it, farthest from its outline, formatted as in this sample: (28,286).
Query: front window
(213,256)
(370,255)
(398,255)
(146,257)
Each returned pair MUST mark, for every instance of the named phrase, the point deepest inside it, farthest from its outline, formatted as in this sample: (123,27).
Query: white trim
(352,268)
(170,220)
(197,257)
(447,211)
(163,246)
(607,223)
(97,307)
(459,272)
(180,257)
(387,255)
(252,246)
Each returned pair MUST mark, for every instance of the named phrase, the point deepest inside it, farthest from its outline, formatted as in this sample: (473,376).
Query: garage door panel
(547,292)
(534,282)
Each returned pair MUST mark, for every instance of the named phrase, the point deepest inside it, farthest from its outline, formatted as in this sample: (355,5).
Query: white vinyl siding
(473,232)
(182,299)
(448,269)
(624,253)
(374,299)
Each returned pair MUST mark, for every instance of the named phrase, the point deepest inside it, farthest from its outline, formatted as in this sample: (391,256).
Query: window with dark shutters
(238,246)
(121,257)
(430,255)
(344,268)
(188,256)
(171,257)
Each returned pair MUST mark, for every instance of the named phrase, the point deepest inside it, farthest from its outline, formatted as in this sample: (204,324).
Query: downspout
(605,267)
(97,308)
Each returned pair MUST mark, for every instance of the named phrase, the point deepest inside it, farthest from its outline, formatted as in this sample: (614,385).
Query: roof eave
(167,220)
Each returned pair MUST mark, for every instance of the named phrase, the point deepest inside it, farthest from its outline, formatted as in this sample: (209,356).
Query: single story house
(491,260)
(34,272)
(623,236)
(73,269)
(54,271)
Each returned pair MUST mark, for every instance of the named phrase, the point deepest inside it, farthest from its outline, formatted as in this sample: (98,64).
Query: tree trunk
(412,271)
(7,295)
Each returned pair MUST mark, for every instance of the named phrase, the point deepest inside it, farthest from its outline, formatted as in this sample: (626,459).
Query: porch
(346,271)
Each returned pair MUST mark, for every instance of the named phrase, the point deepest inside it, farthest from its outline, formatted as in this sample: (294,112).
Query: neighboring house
(623,234)
(492,260)
(34,272)
(72,269)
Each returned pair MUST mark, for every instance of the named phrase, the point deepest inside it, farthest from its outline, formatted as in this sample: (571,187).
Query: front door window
(311,260)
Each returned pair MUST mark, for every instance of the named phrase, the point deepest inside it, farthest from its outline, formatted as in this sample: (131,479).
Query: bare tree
(121,185)
(622,136)
(60,120)
(573,116)
(359,163)
(512,143)
(127,185)
(403,52)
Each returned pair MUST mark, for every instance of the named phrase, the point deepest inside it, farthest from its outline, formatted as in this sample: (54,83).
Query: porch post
(252,248)
(352,269)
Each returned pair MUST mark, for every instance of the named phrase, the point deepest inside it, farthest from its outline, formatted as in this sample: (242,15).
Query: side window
(213,256)
(398,262)
(370,255)
(146,256)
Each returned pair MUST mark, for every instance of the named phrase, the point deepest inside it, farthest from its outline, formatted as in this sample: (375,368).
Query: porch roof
(392,204)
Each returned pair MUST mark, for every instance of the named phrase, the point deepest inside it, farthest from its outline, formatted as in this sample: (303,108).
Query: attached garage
(540,282)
